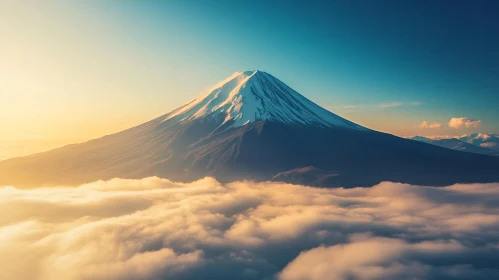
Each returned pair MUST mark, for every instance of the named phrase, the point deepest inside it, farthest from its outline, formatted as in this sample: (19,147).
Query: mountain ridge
(480,143)
(322,151)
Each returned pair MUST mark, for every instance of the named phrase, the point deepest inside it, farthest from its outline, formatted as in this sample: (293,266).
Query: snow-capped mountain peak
(251,96)
(478,136)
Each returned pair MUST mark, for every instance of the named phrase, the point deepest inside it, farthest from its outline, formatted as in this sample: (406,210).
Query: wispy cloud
(464,122)
(426,124)
(381,105)
(390,105)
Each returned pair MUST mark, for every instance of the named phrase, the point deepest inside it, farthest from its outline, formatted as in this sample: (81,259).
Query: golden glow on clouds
(154,229)
(425,124)
(464,122)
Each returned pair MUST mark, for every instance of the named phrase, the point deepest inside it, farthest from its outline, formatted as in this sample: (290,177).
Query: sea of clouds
(153,228)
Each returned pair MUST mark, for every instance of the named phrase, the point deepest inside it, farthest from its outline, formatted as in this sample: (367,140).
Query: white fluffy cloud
(464,122)
(156,229)
(366,257)
(426,124)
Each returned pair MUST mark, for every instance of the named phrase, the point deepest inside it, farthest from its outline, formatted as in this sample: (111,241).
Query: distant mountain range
(480,143)
(252,126)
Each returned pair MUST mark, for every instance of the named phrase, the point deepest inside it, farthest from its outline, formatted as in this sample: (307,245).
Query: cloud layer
(464,122)
(156,229)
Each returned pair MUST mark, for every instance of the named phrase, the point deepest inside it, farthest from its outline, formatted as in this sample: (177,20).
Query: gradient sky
(75,70)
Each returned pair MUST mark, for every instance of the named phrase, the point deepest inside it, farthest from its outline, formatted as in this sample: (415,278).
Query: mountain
(252,126)
(470,144)
(251,96)
(485,140)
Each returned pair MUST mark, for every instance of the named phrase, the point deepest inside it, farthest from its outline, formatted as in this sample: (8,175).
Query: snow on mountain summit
(251,96)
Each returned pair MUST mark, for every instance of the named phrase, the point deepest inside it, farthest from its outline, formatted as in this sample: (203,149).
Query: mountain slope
(459,145)
(252,126)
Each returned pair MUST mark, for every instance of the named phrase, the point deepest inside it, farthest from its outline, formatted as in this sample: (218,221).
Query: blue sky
(355,55)
(388,65)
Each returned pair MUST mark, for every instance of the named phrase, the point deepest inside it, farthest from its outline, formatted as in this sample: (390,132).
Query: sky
(71,71)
